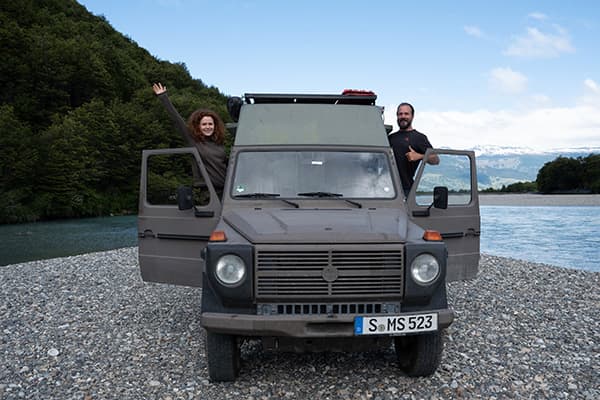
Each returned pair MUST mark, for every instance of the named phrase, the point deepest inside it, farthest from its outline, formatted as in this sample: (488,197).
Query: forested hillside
(76,109)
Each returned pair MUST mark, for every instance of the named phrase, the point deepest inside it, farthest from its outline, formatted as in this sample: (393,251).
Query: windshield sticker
(314,162)
(240,189)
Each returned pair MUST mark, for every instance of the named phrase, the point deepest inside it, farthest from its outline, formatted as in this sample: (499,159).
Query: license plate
(395,324)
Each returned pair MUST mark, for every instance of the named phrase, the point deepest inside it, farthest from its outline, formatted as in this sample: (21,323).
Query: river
(566,236)
(41,240)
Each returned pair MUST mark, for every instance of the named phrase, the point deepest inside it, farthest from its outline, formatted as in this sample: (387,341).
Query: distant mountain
(505,150)
(497,166)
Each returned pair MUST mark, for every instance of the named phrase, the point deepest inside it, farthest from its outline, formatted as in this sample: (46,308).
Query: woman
(206,131)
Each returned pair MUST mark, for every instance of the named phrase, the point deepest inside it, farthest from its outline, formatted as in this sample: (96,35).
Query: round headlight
(424,268)
(230,269)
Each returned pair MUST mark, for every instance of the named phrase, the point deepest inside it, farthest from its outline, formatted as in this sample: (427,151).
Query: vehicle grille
(327,308)
(329,273)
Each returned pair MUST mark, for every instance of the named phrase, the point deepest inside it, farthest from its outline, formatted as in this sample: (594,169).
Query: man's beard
(403,123)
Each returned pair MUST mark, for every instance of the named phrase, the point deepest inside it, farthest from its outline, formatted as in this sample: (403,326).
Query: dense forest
(76,109)
(562,175)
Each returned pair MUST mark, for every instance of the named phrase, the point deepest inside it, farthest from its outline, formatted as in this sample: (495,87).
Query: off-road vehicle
(313,245)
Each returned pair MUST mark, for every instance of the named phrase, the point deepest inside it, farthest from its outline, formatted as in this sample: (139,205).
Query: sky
(523,74)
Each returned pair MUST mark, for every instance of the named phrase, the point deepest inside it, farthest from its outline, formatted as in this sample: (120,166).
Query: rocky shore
(87,327)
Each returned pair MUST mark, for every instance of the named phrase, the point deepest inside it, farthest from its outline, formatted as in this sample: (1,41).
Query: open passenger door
(171,240)
(459,224)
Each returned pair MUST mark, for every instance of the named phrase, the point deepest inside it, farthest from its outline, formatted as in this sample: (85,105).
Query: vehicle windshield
(306,174)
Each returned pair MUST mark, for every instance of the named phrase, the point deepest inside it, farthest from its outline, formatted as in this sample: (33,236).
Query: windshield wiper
(264,196)
(320,194)
(329,194)
(257,195)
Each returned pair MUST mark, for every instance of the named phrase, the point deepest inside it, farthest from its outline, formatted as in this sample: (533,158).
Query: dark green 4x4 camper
(313,245)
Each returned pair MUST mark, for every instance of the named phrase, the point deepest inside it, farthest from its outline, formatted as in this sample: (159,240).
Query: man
(409,146)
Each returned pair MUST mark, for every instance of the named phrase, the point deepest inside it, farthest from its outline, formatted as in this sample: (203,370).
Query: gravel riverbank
(534,199)
(87,327)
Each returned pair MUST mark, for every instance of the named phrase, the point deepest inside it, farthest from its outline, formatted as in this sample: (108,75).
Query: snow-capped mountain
(490,150)
(497,166)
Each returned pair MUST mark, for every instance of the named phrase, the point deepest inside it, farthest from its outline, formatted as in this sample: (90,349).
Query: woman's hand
(158,88)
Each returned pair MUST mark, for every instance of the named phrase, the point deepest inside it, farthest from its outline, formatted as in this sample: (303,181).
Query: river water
(567,236)
(41,240)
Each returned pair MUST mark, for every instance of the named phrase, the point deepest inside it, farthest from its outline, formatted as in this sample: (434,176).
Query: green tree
(560,175)
(70,173)
(591,173)
(520,187)
(18,161)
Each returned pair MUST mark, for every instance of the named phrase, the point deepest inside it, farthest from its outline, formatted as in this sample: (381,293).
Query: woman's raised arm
(161,92)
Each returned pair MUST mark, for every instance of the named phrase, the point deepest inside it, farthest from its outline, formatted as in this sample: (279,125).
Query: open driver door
(171,239)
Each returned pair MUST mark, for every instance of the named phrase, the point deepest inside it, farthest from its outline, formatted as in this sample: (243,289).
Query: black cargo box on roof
(276,98)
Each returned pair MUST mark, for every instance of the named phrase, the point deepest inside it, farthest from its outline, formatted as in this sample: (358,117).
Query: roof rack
(279,98)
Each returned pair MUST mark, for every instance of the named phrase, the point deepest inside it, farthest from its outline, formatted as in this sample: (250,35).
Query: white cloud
(591,94)
(537,44)
(541,99)
(542,128)
(591,85)
(473,31)
(507,81)
(538,15)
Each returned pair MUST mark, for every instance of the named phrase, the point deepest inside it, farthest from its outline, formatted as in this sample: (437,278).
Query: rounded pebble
(521,331)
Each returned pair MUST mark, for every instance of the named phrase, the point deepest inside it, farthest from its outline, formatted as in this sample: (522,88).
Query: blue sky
(511,73)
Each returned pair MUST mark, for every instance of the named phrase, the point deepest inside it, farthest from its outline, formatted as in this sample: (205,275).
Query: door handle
(146,233)
(451,235)
(204,214)
(472,232)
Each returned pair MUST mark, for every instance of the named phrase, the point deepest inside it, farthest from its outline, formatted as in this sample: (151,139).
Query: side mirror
(440,200)
(185,201)
(185,198)
(234,106)
(440,197)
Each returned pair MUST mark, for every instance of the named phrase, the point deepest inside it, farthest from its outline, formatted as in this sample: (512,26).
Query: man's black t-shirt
(399,141)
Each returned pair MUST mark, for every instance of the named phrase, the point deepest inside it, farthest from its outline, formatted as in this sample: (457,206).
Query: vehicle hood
(322,225)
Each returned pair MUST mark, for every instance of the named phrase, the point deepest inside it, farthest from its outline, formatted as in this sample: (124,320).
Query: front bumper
(304,326)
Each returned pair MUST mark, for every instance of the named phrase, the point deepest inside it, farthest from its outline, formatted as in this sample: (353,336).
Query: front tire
(419,355)
(223,356)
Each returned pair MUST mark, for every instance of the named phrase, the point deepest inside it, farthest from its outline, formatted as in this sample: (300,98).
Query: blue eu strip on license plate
(358,325)
(382,325)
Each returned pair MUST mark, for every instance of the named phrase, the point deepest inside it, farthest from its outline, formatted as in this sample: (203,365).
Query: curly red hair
(193,123)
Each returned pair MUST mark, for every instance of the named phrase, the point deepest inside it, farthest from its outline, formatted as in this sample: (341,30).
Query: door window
(167,172)
(454,172)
